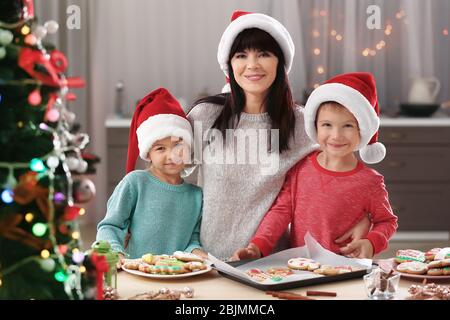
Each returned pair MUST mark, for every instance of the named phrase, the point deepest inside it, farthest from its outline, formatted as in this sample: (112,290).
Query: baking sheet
(312,249)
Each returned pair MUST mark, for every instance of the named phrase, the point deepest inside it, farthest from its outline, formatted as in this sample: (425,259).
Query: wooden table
(213,286)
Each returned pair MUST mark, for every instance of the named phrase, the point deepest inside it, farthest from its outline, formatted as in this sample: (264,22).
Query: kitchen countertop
(437,120)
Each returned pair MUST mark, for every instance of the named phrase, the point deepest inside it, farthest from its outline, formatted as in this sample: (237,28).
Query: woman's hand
(251,252)
(357,232)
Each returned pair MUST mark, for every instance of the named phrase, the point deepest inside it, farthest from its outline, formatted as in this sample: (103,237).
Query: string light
(316,85)
(61,276)
(372,52)
(338,37)
(316,51)
(82,212)
(37,165)
(445,32)
(323,13)
(29,217)
(25,30)
(20,124)
(45,254)
(39,229)
(78,257)
(7,196)
(316,33)
(76,235)
(365,52)
(333,33)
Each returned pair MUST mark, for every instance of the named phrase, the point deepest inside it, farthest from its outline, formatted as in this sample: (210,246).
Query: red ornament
(71,213)
(63,249)
(34,98)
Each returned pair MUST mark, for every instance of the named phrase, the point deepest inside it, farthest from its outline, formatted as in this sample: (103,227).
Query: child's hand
(358,249)
(358,231)
(251,252)
(121,260)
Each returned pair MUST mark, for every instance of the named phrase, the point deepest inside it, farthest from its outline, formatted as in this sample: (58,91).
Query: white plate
(167,276)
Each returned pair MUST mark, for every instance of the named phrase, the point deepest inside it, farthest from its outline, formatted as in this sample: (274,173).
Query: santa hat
(357,92)
(157,116)
(240,21)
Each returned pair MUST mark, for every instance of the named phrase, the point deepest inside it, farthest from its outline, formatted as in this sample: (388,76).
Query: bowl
(418,109)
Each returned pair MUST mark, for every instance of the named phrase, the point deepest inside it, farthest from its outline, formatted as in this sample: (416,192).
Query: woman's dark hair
(278,102)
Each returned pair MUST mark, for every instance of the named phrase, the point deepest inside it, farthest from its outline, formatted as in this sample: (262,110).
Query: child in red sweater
(329,191)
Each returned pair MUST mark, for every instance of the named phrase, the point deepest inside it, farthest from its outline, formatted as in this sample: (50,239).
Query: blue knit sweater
(161,217)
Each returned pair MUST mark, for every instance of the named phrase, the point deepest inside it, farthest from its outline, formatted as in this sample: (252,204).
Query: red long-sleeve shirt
(327,204)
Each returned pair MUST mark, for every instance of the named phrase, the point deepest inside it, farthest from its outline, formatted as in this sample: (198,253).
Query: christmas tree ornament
(52,115)
(31,39)
(34,98)
(83,190)
(52,26)
(48,265)
(6,37)
(40,32)
(82,166)
(2,52)
(72,163)
(53,162)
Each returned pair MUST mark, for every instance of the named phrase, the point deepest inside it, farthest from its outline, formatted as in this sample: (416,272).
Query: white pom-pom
(40,32)
(226,88)
(52,26)
(373,153)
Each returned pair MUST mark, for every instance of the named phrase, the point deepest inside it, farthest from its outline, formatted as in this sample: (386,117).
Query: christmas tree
(41,161)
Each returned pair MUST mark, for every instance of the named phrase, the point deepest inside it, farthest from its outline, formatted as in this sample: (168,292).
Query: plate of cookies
(410,263)
(178,265)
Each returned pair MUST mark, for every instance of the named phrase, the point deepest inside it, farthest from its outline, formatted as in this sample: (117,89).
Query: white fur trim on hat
(373,153)
(159,127)
(260,21)
(353,100)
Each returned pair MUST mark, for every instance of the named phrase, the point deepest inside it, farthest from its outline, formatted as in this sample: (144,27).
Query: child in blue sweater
(158,210)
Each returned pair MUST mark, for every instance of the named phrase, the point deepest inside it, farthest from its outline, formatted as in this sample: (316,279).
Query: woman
(257,132)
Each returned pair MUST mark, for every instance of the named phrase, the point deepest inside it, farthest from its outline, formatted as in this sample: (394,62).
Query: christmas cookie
(167,269)
(279,272)
(194,266)
(170,262)
(435,272)
(413,267)
(328,270)
(303,264)
(430,254)
(131,264)
(409,255)
(444,253)
(149,258)
(186,256)
(257,275)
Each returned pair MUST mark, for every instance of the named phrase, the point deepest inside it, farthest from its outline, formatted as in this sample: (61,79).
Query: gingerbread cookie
(131,264)
(303,264)
(187,257)
(194,266)
(279,272)
(408,255)
(257,275)
(413,267)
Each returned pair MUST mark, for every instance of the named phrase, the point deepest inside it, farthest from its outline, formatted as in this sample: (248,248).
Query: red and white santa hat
(241,20)
(157,116)
(358,93)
